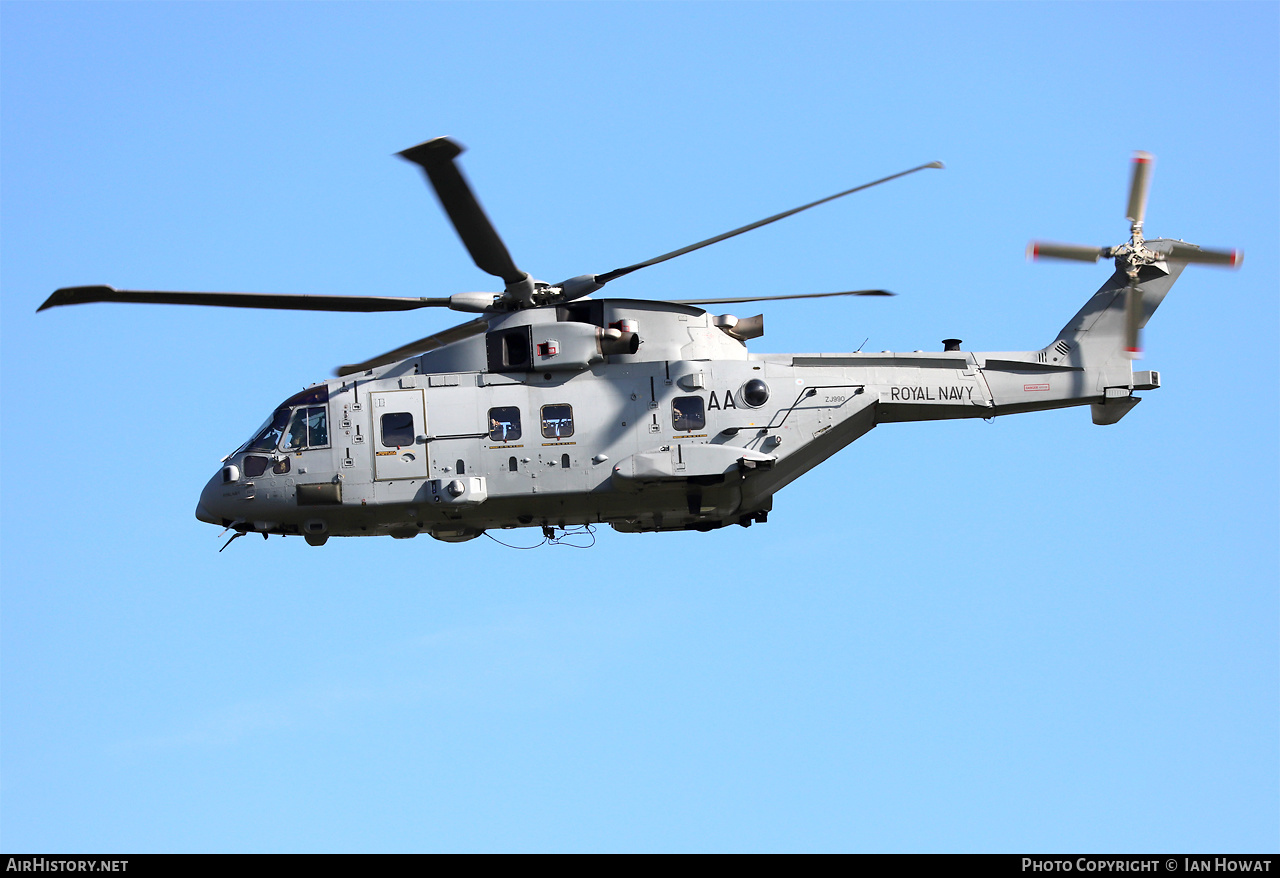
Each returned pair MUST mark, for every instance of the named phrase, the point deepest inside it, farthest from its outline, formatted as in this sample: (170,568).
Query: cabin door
(399,434)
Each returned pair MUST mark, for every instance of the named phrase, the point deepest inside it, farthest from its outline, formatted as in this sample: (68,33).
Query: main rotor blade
(1138,186)
(1228,258)
(619,272)
(1078,252)
(777,298)
(435,157)
(281,301)
(421,346)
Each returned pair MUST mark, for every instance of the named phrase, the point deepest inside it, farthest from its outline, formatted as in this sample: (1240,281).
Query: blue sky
(1029,635)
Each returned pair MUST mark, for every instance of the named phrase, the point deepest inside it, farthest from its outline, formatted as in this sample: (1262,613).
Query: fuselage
(532,423)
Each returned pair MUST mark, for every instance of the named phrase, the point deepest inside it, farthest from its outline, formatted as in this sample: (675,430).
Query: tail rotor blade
(1132,322)
(1138,186)
(1077,252)
(1225,258)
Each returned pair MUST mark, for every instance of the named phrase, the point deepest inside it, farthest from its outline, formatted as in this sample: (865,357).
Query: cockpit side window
(309,428)
(268,435)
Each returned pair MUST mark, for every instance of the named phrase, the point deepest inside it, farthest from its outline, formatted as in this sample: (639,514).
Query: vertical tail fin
(1097,333)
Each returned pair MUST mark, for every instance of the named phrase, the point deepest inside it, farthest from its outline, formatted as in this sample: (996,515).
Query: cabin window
(461,467)
(397,429)
(254,466)
(557,421)
(688,413)
(504,424)
(564,461)
(281,466)
(309,428)
(512,465)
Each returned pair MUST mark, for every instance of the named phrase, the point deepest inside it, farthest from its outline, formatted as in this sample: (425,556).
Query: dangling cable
(549,537)
(509,546)
(587,530)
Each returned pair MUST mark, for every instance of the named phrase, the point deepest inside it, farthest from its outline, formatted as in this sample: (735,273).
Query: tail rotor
(1133,255)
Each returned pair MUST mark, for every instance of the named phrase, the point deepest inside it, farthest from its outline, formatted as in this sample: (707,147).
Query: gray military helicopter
(555,410)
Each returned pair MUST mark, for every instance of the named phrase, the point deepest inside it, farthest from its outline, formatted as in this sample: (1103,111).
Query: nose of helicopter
(206,508)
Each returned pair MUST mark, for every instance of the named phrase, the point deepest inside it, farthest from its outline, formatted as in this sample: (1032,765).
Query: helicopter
(557,410)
